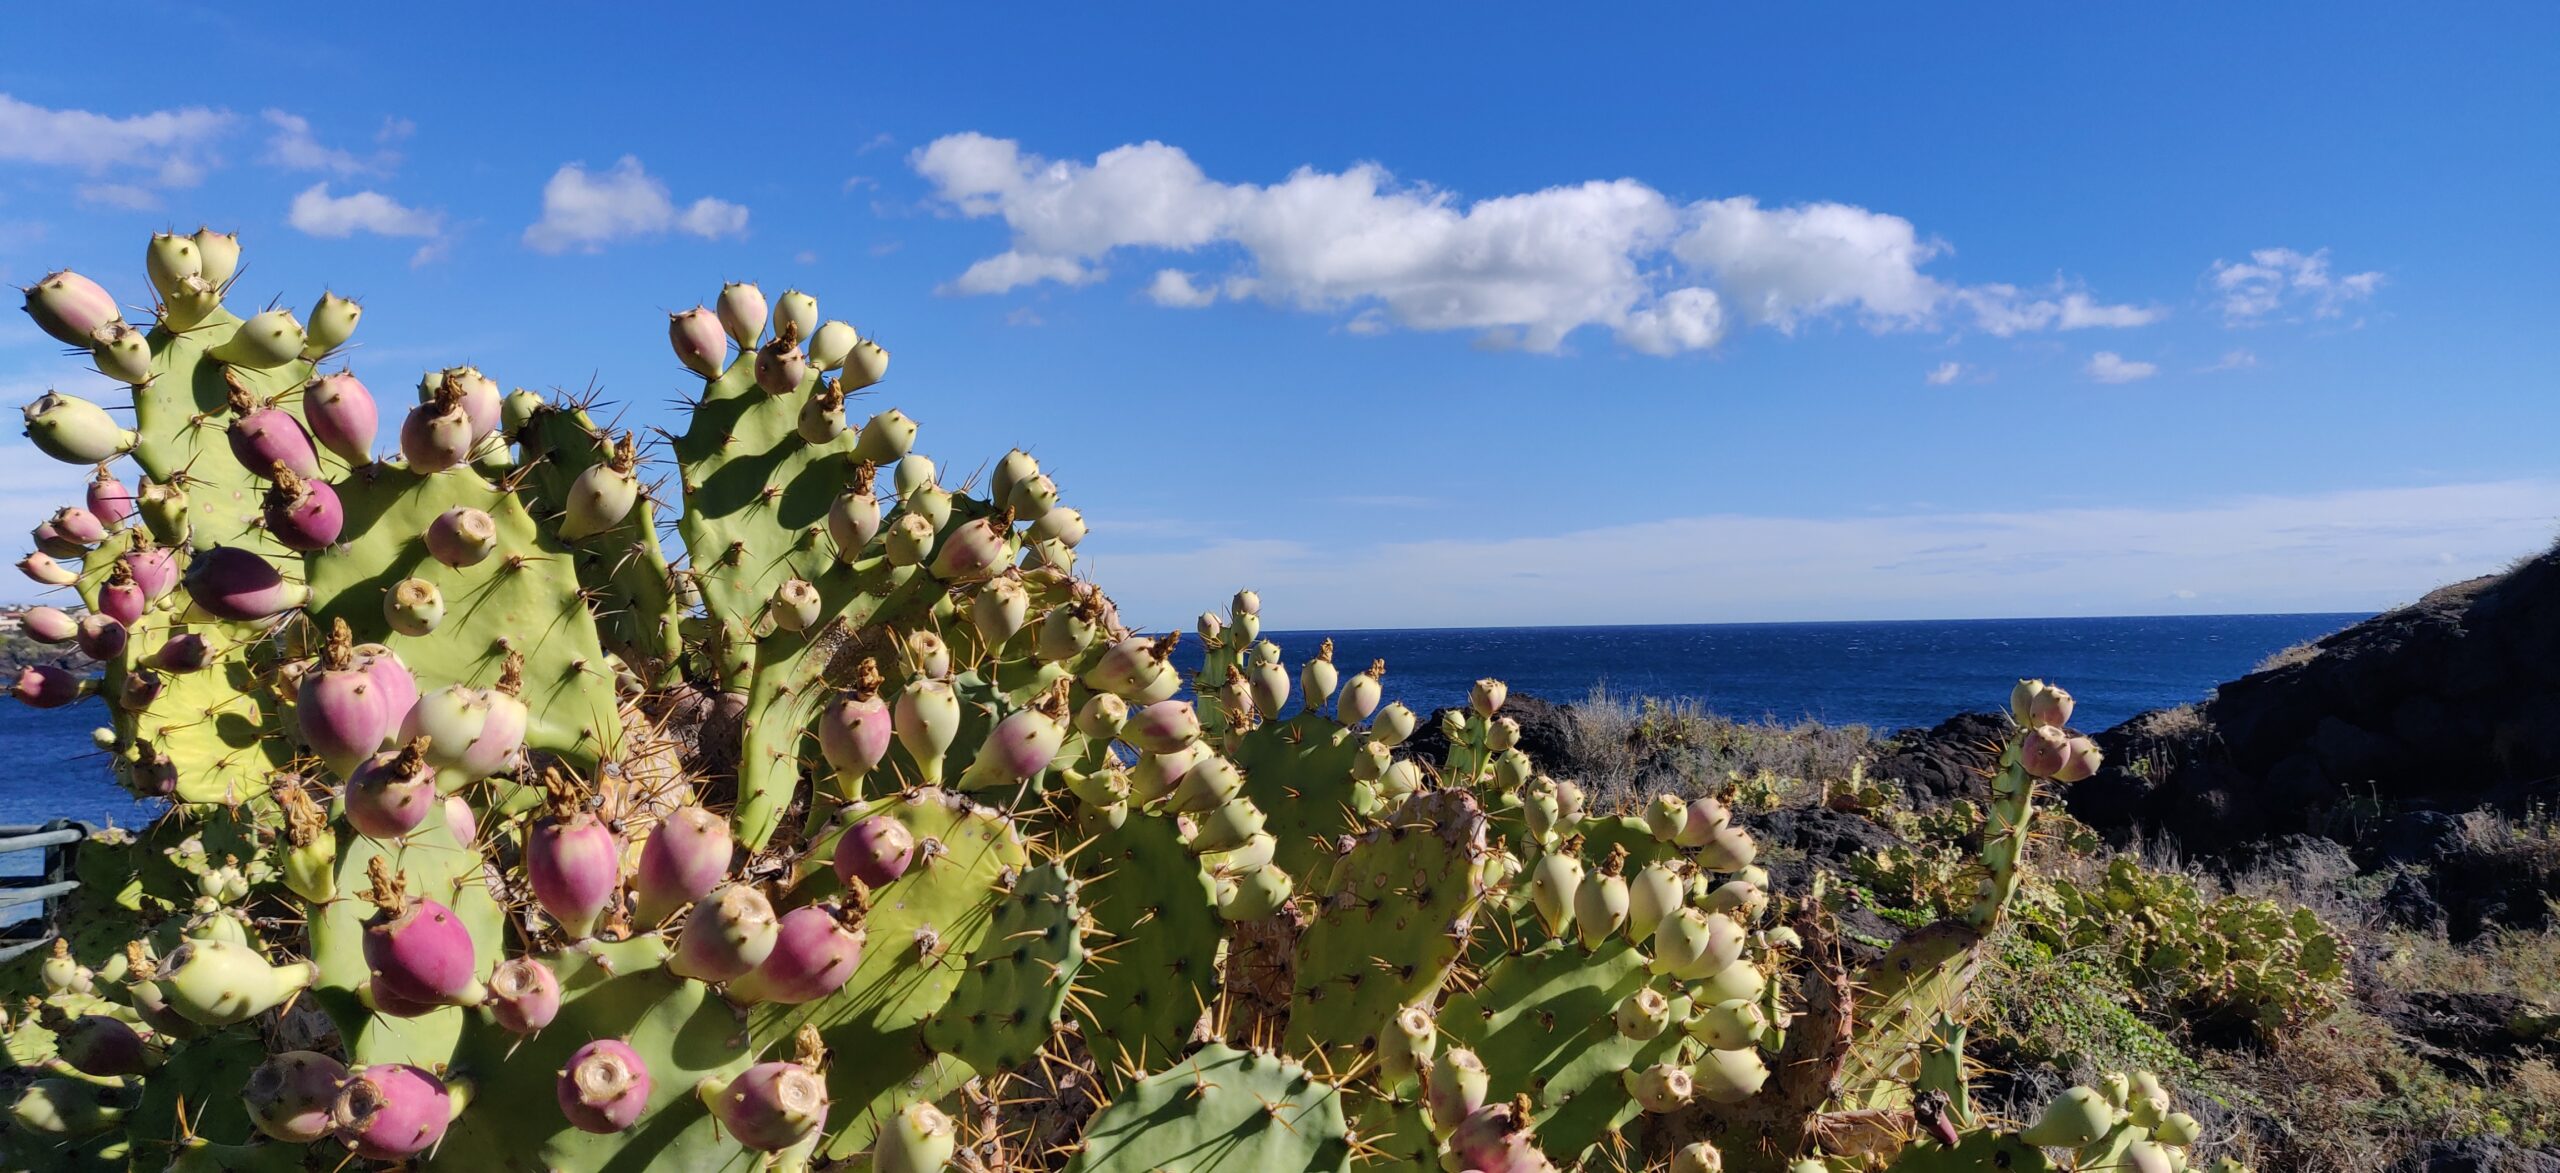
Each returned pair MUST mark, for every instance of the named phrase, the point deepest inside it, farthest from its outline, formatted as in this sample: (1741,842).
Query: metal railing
(59,840)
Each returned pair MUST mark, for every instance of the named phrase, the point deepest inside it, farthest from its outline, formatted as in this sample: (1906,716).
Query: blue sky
(1460,315)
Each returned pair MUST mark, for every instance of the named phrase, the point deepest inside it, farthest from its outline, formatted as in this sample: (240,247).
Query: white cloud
(175,146)
(587,211)
(294,148)
(2107,366)
(317,213)
(1524,270)
(1173,287)
(2281,280)
(2238,359)
(2344,551)
(1945,373)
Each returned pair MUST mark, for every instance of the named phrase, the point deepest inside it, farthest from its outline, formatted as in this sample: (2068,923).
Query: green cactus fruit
(333,322)
(217,983)
(1661,1088)
(1600,905)
(2077,1117)
(66,1108)
(413,607)
(1692,943)
(76,431)
(918,1139)
(1740,980)
(264,342)
(1652,894)
(1730,1025)
(1408,1046)
(1555,883)
(1729,1077)
(1644,1015)
(1697,1157)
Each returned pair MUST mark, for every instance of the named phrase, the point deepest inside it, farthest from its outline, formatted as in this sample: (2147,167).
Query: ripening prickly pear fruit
(999,611)
(1742,900)
(264,342)
(684,858)
(974,551)
(1704,817)
(470,731)
(212,982)
(2022,701)
(605,1087)
(2080,760)
(49,625)
(50,542)
(70,307)
(266,438)
(1407,1046)
(1496,1137)
(462,536)
(2050,706)
(854,733)
(1361,694)
(333,321)
(107,498)
(1102,717)
(303,514)
(217,257)
(727,934)
(1660,1088)
(1392,724)
(290,1095)
(1501,733)
(74,430)
(524,995)
(1554,882)
(391,1111)
(1065,632)
(2075,1118)
(699,342)
(926,654)
(100,1045)
(340,708)
(1644,1015)
(56,1111)
(1456,1089)
(418,949)
(1487,696)
(1227,826)
(1015,467)
(79,525)
(822,414)
(2043,751)
(1211,782)
(1253,894)
(1267,682)
(887,438)
(1033,497)
(1600,907)
(830,343)
(1061,525)
(1698,1157)
(796,605)
(926,719)
(742,313)
(1018,749)
(174,265)
(184,652)
(122,353)
(1690,943)
(413,607)
(1728,1077)
(41,568)
(101,637)
(154,569)
(874,852)
(768,1107)
(1163,727)
(62,973)
(866,364)
(815,950)
(476,394)
(436,435)
(1317,678)
(1728,849)
(574,864)
(919,1138)
(603,494)
(228,582)
(781,367)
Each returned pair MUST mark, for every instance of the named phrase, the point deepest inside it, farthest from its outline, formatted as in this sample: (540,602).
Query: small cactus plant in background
(861,832)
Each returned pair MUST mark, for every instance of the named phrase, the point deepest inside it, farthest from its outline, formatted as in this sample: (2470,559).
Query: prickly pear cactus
(958,866)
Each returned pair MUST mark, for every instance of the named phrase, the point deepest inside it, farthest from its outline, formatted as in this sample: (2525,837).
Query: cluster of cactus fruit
(862,833)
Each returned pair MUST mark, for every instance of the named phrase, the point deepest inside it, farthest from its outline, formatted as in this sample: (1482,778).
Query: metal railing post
(60,842)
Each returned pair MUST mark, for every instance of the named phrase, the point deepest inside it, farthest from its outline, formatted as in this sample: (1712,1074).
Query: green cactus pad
(197,1092)
(1299,772)
(1979,1151)
(1921,980)
(183,418)
(1220,1111)
(622,567)
(523,598)
(681,1030)
(438,868)
(1007,1006)
(1544,1022)
(1394,919)
(1158,912)
(873,1023)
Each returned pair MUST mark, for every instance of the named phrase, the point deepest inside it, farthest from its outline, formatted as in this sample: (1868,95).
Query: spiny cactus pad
(1220,1110)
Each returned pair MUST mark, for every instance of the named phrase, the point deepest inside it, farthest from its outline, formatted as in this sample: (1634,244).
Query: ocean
(1886,675)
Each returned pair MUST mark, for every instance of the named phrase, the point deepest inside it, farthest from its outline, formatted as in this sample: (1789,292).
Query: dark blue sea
(1884,675)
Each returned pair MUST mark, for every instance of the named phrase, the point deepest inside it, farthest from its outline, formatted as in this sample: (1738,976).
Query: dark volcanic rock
(2478,1154)
(2441,707)
(1945,762)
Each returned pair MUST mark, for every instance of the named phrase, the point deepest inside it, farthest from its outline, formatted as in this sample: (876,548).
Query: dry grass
(2301,653)
(1627,749)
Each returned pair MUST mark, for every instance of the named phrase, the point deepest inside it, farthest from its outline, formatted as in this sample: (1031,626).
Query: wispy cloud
(1945,373)
(2279,283)
(292,146)
(586,211)
(2236,359)
(317,213)
(1522,271)
(172,148)
(2361,549)
(2107,366)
